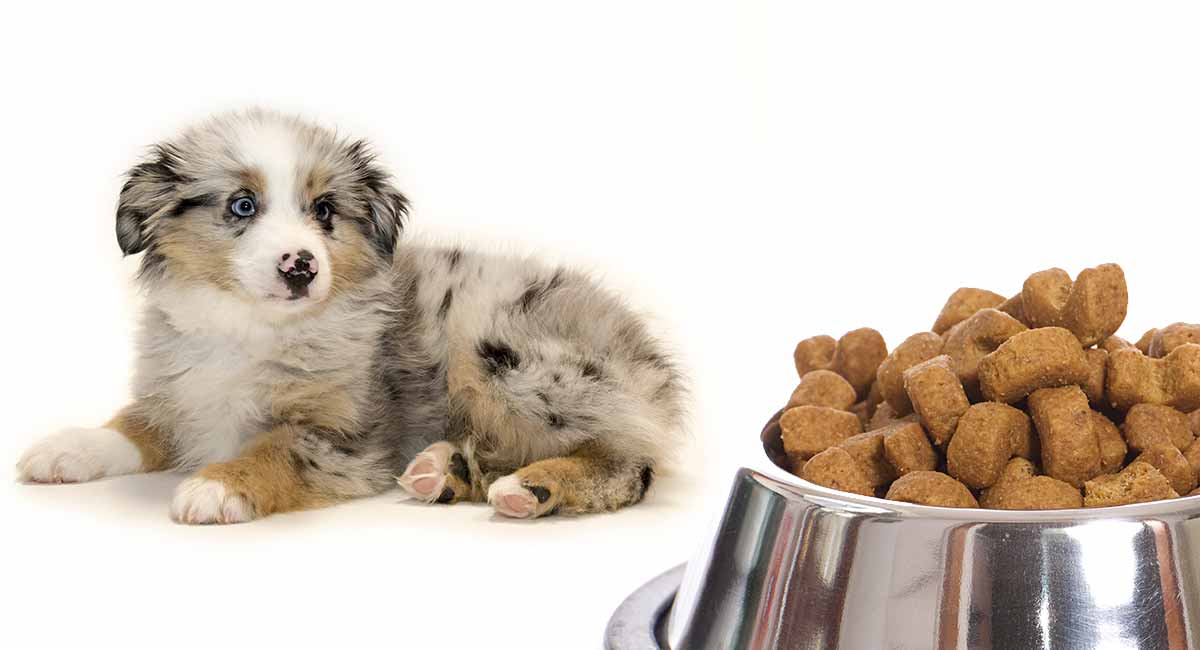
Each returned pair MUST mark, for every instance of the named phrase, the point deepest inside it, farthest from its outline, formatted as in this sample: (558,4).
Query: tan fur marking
(266,476)
(588,481)
(152,442)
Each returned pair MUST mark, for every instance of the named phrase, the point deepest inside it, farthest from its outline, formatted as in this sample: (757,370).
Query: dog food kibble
(857,358)
(1070,446)
(1092,307)
(937,397)
(1020,488)
(890,376)
(1147,425)
(1027,403)
(1114,343)
(1137,483)
(823,388)
(1040,358)
(1097,361)
(1172,336)
(974,339)
(1169,461)
(907,448)
(986,437)
(810,430)
(1112,446)
(1174,380)
(814,353)
(962,304)
(836,468)
(1143,344)
(867,449)
(931,489)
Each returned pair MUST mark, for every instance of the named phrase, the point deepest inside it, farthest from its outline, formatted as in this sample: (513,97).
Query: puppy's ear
(149,192)
(389,208)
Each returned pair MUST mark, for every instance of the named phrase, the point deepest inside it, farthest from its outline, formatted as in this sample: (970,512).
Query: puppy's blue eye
(243,207)
(324,211)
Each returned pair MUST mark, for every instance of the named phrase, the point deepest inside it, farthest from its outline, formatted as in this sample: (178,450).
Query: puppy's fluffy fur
(294,354)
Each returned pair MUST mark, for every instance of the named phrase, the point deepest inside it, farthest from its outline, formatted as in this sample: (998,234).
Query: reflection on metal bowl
(796,565)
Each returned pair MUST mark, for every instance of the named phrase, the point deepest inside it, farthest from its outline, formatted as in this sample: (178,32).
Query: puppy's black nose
(298,271)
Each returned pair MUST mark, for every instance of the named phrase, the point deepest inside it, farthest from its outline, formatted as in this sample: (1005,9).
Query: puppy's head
(276,211)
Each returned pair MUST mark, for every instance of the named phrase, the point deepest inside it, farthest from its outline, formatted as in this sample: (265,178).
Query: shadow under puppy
(295,354)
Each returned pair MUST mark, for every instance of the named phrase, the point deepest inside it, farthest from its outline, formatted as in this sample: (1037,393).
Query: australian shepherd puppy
(294,353)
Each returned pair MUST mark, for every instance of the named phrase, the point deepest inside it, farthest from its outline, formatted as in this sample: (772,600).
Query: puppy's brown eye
(323,211)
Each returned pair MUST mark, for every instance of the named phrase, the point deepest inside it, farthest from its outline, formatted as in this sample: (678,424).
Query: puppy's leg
(440,474)
(592,479)
(126,444)
(287,468)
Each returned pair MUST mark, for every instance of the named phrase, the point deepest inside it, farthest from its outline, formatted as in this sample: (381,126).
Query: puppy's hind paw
(205,501)
(509,497)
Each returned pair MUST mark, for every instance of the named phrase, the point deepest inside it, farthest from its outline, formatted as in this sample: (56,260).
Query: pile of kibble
(1023,403)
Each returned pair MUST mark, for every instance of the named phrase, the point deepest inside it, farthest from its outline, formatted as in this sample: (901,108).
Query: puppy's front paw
(77,454)
(205,501)
(511,498)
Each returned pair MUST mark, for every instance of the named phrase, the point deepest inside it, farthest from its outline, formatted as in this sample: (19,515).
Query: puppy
(293,353)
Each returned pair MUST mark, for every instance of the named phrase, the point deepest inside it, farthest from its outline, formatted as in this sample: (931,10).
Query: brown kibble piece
(890,377)
(1114,343)
(1015,470)
(1143,344)
(809,430)
(975,338)
(932,489)
(1147,425)
(1092,307)
(1192,454)
(867,449)
(1174,380)
(835,468)
(1037,493)
(907,448)
(861,412)
(1041,358)
(814,353)
(1172,336)
(1013,307)
(1097,361)
(1168,460)
(1194,422)
(984,441)
(857,358)
(937,397)
(823,388)
(1112,445)
(962,304)
(1070,447)
(1138,483)
(884,416)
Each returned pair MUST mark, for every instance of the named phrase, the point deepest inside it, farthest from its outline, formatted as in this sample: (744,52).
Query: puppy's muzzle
(298,270)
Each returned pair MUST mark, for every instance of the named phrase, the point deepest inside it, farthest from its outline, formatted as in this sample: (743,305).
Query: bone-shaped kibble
(1134,378)
(1039,358)
(1092,308)
(1165,340)
(856,356)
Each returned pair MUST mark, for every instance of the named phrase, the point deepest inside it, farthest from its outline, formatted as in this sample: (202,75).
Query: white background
(752,172)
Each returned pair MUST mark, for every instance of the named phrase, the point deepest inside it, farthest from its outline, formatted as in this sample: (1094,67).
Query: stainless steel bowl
(796,565)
